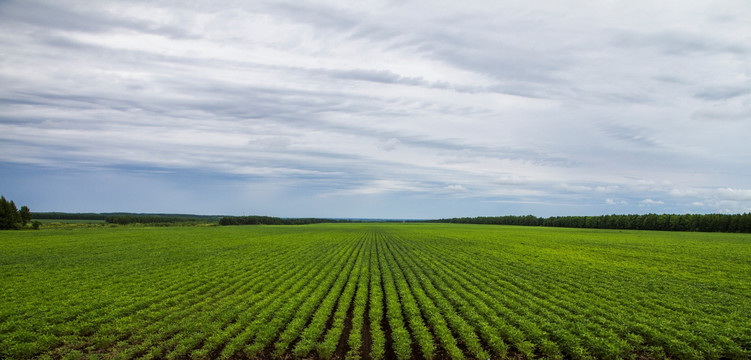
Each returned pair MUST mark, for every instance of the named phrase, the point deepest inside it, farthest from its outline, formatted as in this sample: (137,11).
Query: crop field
(373,291)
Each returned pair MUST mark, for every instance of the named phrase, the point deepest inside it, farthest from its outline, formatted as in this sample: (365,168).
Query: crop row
(371,292)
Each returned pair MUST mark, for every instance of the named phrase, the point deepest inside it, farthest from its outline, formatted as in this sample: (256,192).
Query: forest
(735,223)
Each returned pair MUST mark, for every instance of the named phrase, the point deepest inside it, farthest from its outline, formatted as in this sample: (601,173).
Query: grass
(410,290)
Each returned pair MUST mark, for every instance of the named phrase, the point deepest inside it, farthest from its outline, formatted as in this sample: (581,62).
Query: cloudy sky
(378,109)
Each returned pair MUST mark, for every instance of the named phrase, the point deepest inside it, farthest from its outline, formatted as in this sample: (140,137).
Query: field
(373,291)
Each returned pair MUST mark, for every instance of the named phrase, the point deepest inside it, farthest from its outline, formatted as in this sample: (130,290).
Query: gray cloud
(316,16)
(491,108)
(382,76)
(70,16)
(722,115)
(632,134)
(724,92)
(678,43)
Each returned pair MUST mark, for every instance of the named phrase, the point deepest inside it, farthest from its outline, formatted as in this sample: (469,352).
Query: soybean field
(373,291)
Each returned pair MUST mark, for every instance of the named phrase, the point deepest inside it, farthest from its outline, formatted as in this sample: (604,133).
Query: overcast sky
(385,109)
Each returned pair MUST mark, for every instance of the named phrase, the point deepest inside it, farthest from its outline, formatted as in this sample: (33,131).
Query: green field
(373,291)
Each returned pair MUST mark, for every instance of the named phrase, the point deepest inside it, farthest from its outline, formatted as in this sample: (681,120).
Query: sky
(376,109)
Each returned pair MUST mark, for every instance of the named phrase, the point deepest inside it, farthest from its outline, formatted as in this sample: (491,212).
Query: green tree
(25,215)
(9,217)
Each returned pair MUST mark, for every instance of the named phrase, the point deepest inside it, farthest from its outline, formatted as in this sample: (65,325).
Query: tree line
(270,220)
(11,217)
(69,216)
(736,223)
(126,219)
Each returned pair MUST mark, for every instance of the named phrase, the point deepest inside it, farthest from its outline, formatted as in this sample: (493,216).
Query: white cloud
(456,188)
(272,142)
(574,188)
(607,189)
(610,201)
(384,98)
(375,187)
(684,192)
(389,144)
(513,180)
(735,194)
